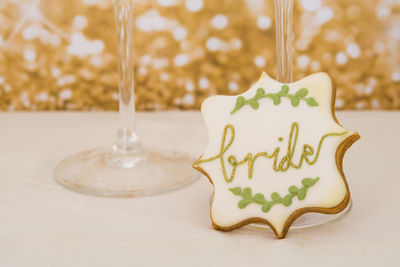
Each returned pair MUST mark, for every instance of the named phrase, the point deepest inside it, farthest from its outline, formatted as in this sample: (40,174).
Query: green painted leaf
(302,193)
(309,181)
(243,203)
(267,206)
(247,192)
(302,92)
(254,104)
(275,196)
(311,102)
(259,198)
(293,189)
(236,190)
(287,200)
(248,198)
(276,99)
(260,93)
(294,100)
(284,90)
(239,103)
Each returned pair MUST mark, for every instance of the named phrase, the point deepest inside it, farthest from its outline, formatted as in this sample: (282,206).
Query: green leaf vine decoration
(276,98)
(247,196)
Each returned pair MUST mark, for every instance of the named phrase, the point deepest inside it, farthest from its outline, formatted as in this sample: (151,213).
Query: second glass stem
(284,22)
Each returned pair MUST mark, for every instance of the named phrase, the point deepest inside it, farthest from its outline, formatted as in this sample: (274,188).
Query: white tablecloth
(43,224)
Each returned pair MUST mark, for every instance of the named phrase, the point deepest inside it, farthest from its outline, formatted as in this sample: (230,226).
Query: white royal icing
(258,130)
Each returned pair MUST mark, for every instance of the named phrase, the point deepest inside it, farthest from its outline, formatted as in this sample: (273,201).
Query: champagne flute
(125,169)
(284,50)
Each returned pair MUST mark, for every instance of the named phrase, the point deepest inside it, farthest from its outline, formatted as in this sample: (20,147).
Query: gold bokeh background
(61,55)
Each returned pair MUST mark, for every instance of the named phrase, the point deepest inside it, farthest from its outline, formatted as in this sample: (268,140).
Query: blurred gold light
(58,54)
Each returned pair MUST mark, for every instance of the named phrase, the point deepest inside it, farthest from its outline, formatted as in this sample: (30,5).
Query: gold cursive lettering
(281,165)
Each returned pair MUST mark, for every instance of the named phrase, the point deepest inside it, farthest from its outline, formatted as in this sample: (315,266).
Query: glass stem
(127,140)
(283,22)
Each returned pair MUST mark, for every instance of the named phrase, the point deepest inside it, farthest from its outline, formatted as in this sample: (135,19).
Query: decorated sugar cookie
(274,153)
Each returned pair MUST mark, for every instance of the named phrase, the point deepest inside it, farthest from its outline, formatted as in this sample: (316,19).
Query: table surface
(43,224)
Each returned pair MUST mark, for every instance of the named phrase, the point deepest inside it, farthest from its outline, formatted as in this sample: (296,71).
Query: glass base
(312,219)
(101,172)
